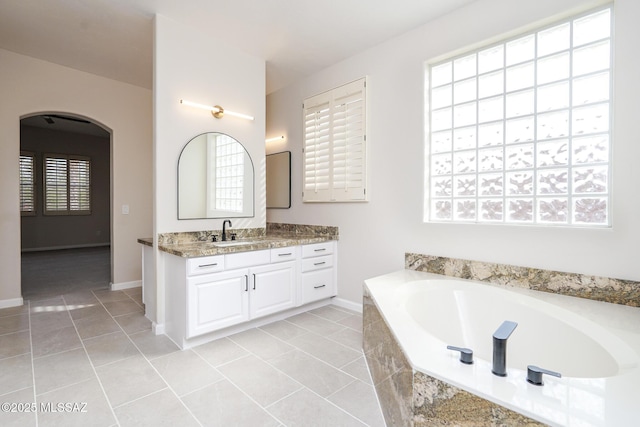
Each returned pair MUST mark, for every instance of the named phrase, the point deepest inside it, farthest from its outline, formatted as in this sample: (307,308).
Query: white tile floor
(94,348)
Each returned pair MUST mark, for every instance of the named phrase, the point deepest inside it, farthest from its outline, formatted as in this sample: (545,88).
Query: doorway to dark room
(65,200)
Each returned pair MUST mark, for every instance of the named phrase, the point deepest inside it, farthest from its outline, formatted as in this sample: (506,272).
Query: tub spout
(500,337)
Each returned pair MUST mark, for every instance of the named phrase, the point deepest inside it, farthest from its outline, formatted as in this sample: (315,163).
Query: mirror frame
(253,186)
(283,180)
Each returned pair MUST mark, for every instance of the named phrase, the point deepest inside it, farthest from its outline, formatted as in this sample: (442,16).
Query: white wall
(374,236)
(30,86)
(194,65)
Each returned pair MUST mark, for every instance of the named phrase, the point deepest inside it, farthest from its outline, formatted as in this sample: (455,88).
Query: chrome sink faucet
(224,229)
(500,337)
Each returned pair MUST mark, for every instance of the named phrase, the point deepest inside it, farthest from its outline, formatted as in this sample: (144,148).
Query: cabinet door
(273,288)
(217,301)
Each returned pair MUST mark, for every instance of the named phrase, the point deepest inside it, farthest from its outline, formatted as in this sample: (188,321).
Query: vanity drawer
(317,263)
(205,264)
(247,259)
(283,254)
(317,249)
(317,285)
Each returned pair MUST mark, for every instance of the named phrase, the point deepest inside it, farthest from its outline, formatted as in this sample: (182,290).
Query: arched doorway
(65,202)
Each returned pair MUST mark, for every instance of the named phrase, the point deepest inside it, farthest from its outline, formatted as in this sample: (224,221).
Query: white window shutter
(79,185)
(55,190)
(317,153)
(67,185)
(27,183)
(335,145)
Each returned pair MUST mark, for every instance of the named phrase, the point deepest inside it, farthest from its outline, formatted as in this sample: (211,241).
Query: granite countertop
(206,248)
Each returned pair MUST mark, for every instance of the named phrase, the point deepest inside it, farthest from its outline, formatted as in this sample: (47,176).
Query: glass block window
(520,131)
(229,179)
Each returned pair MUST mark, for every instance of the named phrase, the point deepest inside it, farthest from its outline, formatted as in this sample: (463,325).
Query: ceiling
(65,123)
(114,38)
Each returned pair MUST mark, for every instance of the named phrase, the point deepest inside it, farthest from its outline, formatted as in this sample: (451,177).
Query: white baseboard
(14,302)
(56,248)
(349,305)
(126,285)
(157,329)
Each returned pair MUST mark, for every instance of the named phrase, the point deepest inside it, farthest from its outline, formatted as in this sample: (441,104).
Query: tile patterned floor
(94,348)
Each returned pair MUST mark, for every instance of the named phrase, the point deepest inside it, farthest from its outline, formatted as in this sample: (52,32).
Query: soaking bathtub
(594,345)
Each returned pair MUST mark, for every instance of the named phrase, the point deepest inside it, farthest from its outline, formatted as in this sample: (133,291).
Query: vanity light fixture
(276,138)
(217,111)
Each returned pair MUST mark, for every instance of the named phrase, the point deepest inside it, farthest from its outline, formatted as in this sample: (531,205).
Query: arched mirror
(215,178)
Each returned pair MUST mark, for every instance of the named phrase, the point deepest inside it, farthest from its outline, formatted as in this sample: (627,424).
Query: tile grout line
(375,391)
(237,386)
(362,355)
(312,356)
(326,337)
(266,408)
(33,369)
(93,368)
(16,390)
(168,386)
(307,331)
(348,313)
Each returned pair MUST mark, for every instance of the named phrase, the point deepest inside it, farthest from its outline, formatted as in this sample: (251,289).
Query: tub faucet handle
(466,354)
(534,374)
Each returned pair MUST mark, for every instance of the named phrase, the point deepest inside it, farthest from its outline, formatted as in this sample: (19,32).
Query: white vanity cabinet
(272,288)
(318,272)
(215,301)
(211,293)
(242,287)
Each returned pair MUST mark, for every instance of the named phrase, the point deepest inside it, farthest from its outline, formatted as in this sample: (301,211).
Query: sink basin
(234,243)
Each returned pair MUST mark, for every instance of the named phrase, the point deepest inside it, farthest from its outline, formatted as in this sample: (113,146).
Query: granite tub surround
(437,403)
(411,316)
(411,398)
(390,371)
(200,243)
(617,291)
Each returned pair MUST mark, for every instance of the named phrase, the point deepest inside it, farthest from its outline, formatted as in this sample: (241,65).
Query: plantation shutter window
(79,185)
(27,184)
(334,145)
(67,185)
(55,189)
